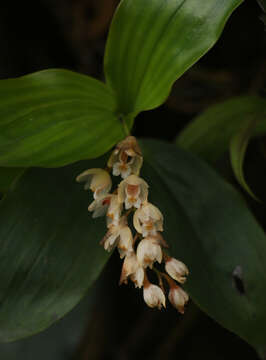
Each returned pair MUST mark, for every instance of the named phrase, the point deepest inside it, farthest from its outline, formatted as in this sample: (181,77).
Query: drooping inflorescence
(147,246)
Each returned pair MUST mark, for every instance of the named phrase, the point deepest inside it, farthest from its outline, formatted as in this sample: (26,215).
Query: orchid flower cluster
(141,251)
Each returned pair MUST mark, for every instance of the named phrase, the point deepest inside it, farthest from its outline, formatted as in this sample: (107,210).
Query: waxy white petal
(130,266)
(148,220)
(138,277)
(176,269)
(148,252)
(97,180)
(133,191)
(114,211)
(100,206)
(153,296)
(125,244)
(178,298)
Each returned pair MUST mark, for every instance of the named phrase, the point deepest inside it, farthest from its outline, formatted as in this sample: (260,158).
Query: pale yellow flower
(178,298)
(133,191)
(148,220)
(153,295)
(114,211)
(148,252)
(97,180)
(100,206)
(138,277)
(176,269)
(130,266)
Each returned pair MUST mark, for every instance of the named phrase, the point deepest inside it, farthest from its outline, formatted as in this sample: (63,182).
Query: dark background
(114,323)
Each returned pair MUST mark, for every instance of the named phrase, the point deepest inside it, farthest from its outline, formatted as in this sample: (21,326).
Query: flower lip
(148,220)
(133,191)
(122,169)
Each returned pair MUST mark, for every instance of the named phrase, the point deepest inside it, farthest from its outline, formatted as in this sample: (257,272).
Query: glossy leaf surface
(210,228)
(55,117)
(152,43)
(209,134)
(50,253)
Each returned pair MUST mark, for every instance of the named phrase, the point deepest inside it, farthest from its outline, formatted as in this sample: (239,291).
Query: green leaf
(55,117)
(152,43)
(238,147)
(50,253)
(210,228)
(66,334)
(8,176)
(209,134)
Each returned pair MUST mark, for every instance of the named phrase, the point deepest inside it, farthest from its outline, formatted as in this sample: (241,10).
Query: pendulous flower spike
(144,249)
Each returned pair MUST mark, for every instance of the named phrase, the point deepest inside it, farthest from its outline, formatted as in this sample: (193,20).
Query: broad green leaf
(8,176)
(238,147)
(152,43)
(50,253)
(60,339)
(210,228)
(55,117)
(209,134)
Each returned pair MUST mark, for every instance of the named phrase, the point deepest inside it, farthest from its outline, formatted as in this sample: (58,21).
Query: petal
(136,221)
(126,172)
(116,169)
(121,191)
(136,164)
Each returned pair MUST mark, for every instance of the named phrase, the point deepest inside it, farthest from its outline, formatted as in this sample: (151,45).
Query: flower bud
(148,252)
(178,298)
(114,211)
(127,147)
(113,235)
(97,180)
(125,244)
(100,206)
(153,295)
(176,269)
(130,266)
(133,191)
(148,220)
(138,277)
